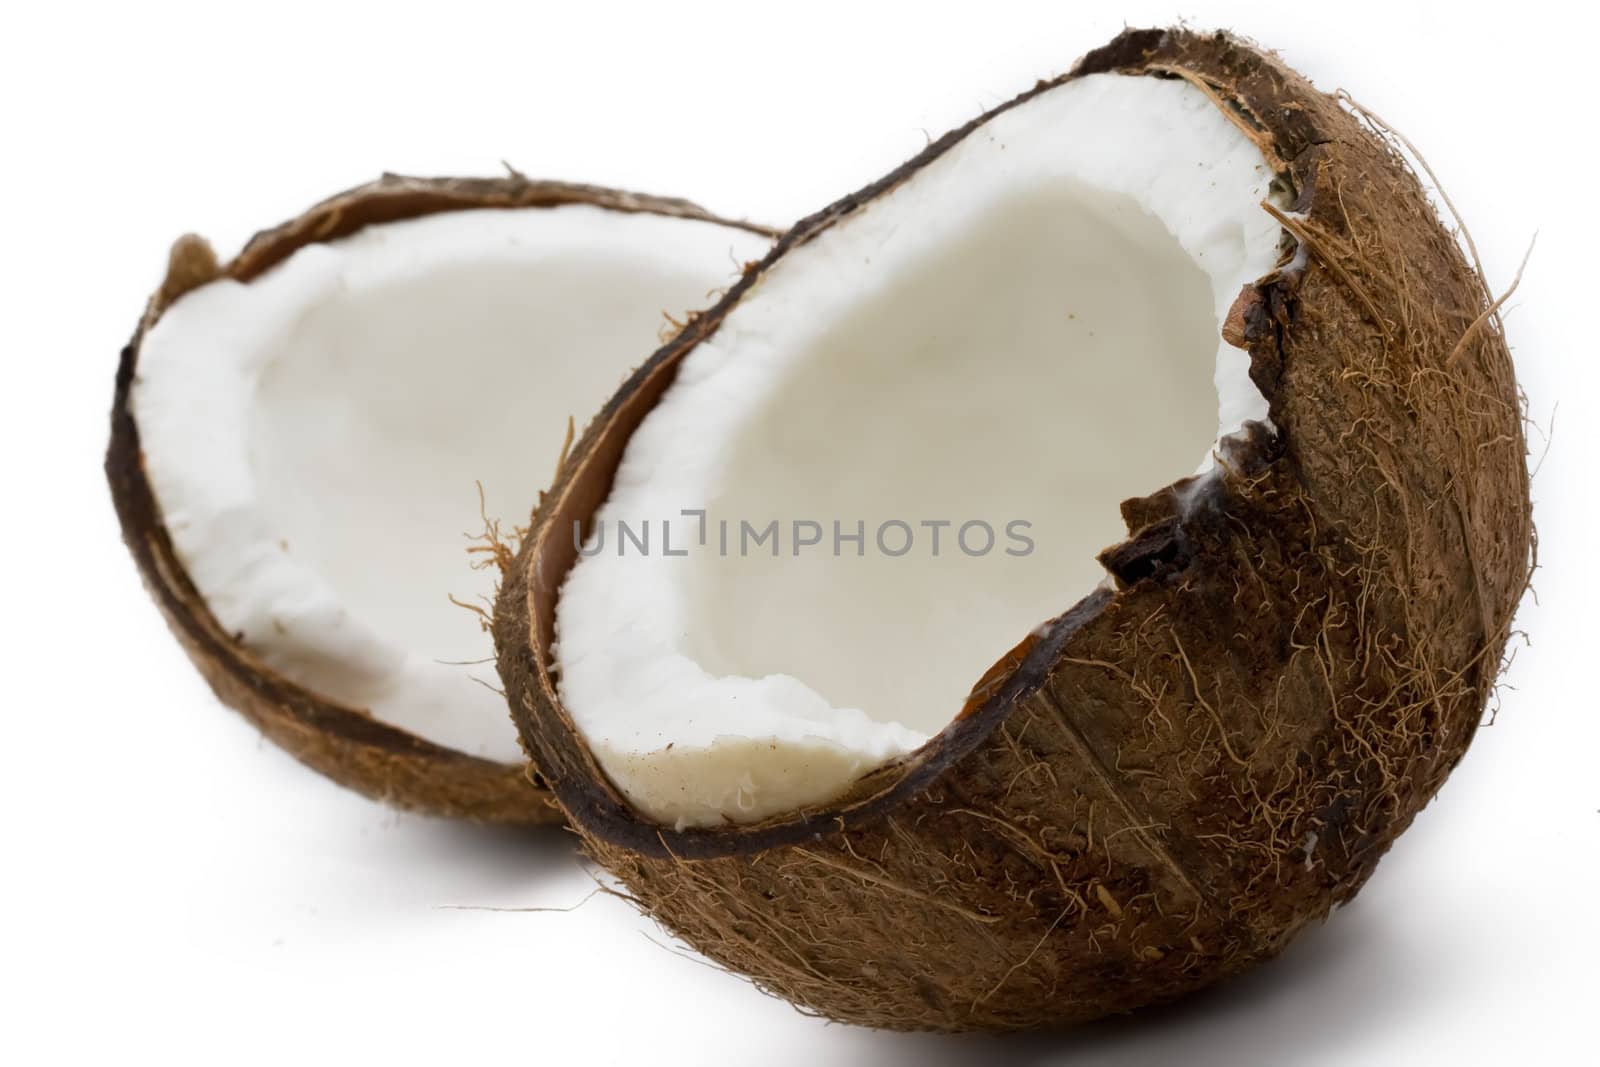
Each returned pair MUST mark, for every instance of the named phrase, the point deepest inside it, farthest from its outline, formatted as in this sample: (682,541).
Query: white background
(174,885)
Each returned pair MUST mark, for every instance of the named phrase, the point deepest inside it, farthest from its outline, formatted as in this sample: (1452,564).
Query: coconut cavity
(902,450)
(314,438)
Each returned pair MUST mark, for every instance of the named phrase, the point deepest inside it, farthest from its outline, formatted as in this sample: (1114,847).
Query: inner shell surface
(984,398)
(315,437)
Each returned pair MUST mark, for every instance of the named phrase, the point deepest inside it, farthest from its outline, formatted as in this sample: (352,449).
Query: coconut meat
(314,438)
(1025,330)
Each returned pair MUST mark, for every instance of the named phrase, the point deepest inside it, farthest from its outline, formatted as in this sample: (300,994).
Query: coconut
(297,434)
(1172,754)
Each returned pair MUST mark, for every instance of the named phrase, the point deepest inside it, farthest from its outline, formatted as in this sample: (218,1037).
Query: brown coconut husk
(344,743)
(1172,778)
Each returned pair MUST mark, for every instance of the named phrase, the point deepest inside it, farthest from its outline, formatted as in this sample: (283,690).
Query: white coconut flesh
(314,438)
(1026,330)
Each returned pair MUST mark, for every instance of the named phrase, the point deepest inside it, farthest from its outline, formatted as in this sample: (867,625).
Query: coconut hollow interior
(315,437)
(902,448)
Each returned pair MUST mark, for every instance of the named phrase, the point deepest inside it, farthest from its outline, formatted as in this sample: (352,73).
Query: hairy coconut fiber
(344,743)
(1169,780)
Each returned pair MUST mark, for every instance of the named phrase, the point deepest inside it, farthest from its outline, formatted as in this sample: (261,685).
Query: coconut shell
(344,743)
(1164,784)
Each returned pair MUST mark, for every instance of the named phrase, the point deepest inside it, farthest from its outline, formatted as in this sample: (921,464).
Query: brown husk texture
(344,743)
(1176,777)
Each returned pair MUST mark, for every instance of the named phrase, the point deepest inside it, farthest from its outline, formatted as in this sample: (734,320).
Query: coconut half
(306,441)
(1196,326)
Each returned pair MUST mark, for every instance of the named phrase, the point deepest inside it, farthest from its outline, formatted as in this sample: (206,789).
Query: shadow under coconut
(1355,974)
(443,863)
(497,856)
